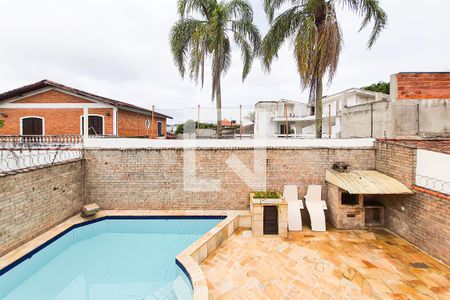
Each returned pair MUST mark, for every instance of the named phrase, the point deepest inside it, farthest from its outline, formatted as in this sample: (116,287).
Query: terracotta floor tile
(330,265)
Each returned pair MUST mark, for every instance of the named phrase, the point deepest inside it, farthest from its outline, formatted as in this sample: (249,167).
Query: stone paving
(331,265)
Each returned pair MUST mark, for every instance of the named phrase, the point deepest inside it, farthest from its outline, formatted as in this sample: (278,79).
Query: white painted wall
(124,143)
(264,126)
(433,171)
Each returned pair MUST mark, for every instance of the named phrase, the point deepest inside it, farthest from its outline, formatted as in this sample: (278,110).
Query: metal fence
(14,160)
(26,152)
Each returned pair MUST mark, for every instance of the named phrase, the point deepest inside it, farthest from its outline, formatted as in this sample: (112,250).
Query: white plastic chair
(316,207)
(295,205)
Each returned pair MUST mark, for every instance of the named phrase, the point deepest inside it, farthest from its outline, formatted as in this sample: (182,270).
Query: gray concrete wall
(424,118)
(366,120)
(420,114)
(404,118)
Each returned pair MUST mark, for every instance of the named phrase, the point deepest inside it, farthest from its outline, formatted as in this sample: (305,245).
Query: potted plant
(266,197)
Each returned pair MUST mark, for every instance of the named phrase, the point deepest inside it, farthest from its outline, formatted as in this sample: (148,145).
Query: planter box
(257,212)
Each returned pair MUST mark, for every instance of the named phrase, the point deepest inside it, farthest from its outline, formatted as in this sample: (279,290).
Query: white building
(273,117)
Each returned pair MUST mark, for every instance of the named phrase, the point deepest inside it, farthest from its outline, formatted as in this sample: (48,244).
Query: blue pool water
(109,259)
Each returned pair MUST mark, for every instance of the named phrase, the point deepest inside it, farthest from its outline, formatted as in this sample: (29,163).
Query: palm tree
(203,32)
(315,33)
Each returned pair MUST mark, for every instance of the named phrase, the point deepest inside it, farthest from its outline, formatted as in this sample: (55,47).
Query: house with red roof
(50,108)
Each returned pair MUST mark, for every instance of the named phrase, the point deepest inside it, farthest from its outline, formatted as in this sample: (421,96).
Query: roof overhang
(366,182)
(47,84)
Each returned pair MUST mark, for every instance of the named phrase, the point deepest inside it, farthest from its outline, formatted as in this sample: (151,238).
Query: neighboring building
(338,120)
(418,107)
(228,123)
(270,117)
(273,117)
(50,108)
(171,128)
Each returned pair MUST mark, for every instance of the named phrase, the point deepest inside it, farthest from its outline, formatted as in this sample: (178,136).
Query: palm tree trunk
(319,108)
(219,110)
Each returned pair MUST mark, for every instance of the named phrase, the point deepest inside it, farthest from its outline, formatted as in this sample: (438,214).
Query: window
(32,126)
(160,130)
(283,129)
(95,125)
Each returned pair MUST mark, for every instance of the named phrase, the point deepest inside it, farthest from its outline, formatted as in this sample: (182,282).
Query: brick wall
(133,124)
(423,86)
(153,179)
(56,121)
(396,161)
(420,218)
(52,96)
(34,201)
(61,121)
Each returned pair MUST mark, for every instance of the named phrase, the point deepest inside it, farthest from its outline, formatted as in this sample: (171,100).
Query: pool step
(178,289)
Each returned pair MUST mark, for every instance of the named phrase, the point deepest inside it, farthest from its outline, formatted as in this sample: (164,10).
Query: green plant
(381,87)
(2,122)
(250,117)
(203,32)
(316,37)
(193,124)
(267,195)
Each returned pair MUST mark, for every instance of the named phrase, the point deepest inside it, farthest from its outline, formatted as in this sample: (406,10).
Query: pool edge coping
(186,260)
(189,259)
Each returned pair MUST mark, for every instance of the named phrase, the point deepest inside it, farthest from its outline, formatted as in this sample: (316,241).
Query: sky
(120,49)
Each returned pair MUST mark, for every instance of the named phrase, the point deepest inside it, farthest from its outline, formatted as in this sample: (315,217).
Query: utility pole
(286,122)
(152,125)
(240,122)
(329,121)
(198,121)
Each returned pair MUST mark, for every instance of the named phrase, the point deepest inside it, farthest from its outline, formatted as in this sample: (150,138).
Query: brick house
(50,108)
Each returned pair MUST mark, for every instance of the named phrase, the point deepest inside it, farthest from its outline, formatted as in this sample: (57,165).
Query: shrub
(193,124)
(267,195)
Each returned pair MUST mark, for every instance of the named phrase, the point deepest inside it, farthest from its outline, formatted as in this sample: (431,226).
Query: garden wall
(421,218)
(34,201)
(155,178)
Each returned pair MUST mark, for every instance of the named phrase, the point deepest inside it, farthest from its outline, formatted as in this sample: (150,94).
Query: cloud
(120,49)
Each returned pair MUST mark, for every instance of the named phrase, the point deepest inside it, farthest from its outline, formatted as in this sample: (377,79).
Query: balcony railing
(40,141)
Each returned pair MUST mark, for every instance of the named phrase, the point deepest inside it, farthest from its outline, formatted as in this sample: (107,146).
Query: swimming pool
(108,258)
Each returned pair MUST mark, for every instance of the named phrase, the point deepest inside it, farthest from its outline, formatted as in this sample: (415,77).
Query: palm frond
(181,37)
(193,41)
(270,6)
(202,7)
(240,9)
(282,27)
(246,54)
(371,11)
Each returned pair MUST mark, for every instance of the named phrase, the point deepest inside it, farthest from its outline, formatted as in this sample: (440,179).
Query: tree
(193,125)
(250,117)
(202,33)
(381,87)
(315,33)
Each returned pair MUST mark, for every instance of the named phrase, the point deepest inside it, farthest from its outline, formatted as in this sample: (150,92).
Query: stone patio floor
(332,265)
